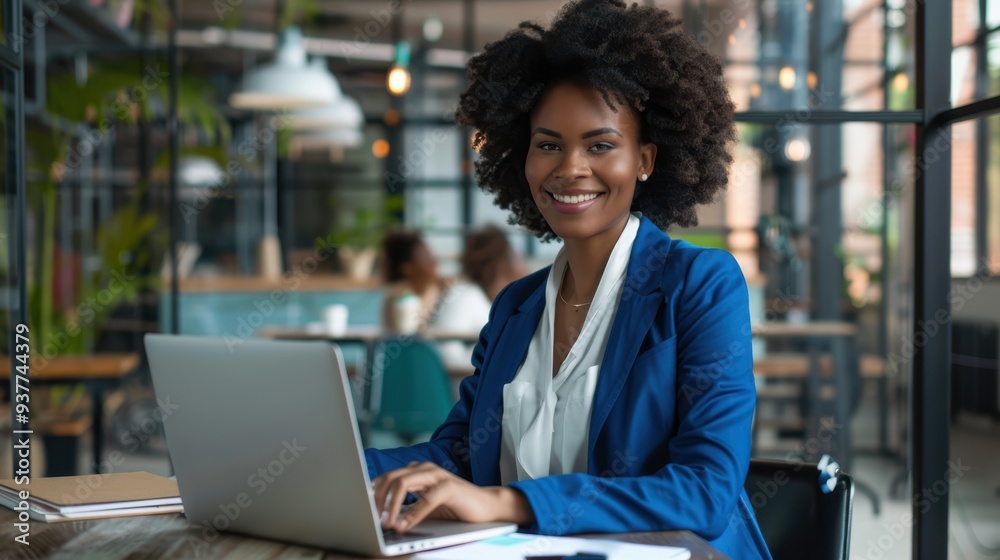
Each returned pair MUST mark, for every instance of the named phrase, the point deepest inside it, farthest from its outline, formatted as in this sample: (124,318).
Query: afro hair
(635,56)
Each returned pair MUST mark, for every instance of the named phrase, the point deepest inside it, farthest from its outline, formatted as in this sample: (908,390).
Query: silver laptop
(263,440)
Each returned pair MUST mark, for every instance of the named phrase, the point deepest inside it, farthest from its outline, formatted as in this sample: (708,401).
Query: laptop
(264,441)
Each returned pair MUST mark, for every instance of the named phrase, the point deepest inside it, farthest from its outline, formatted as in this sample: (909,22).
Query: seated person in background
(490,261)
(413,287)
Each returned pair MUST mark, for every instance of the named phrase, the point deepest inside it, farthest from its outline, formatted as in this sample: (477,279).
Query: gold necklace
(576,306)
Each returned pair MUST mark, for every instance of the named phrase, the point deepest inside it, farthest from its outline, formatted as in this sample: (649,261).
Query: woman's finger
(427,504)
(416,480)
(384,482)
(381,485)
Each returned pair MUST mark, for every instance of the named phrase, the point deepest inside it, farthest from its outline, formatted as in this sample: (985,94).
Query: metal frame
(931,382)
(930,449)
(12,59)
(173,131)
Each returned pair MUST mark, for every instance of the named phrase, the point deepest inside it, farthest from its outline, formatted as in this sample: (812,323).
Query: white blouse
(546,418)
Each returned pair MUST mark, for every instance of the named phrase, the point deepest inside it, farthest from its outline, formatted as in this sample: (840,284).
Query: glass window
(963,75)
(992,14)
(432,152)
(964,21)
(963,198)
(993,197)
(434,208)
(767,45)
(993,62)
(975,308)
(771,49)
(484,211)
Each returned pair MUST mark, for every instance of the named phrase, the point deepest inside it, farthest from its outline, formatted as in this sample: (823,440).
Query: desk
(361,334)
(97,372)
(781,329)
(167,536)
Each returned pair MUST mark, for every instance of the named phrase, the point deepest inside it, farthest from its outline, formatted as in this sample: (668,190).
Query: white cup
(335,319)
(406,313)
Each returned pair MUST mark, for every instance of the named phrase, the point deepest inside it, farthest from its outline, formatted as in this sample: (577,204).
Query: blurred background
(253,168)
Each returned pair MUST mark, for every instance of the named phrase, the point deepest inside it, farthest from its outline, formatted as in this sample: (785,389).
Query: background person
(411,273)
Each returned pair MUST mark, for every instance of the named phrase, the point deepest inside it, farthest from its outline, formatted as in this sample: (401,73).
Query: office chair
(411,392)
(797,515)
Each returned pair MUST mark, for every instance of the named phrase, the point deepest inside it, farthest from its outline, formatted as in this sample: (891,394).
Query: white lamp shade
(198,177)
(199,171)
(287,82)
(345,113)
(346,137)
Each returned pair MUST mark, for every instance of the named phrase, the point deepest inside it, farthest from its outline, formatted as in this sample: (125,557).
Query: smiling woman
(576,161)
(614,390)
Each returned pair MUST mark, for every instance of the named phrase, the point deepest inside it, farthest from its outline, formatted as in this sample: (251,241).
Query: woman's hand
(442,495)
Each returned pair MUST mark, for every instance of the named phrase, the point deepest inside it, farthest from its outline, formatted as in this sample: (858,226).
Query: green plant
(125,244)
(369,225)
(85,114)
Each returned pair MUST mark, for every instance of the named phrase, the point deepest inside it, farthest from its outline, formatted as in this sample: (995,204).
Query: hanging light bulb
(398,80)
(380,148)
(786,77)
(797,149)
(901,82)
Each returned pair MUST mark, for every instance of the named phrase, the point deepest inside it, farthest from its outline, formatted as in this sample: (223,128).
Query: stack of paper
(95,496)
(519,545)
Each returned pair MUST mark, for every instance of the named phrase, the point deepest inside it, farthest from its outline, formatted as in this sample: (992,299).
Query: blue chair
(411,392)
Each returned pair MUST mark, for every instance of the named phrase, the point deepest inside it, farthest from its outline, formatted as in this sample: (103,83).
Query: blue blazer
(669,440)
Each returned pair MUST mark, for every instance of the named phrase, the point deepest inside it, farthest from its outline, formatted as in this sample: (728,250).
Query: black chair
(797,518)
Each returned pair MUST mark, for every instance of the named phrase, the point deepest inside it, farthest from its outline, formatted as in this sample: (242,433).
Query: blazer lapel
(510,349)
(640,301)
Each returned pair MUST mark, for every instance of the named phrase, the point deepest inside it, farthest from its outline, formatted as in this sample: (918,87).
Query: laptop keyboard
(392,537)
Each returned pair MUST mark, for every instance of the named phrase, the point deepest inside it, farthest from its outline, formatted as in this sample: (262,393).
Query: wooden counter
(307,283)
(77,368)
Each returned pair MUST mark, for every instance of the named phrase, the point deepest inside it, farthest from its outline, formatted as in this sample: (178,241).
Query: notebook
(66,498)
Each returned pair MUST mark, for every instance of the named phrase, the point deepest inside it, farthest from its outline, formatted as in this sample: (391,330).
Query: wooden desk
(456,372)
(781,329)
(98,372)
(70,369)
(360,334)
(170,536)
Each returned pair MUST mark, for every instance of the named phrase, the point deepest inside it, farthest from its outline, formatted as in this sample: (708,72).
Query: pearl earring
(644,177)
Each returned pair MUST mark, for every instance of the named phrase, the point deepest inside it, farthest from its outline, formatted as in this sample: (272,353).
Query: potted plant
(358,239)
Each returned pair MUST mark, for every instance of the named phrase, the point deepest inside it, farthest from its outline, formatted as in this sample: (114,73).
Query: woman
(490,261)
(411,273)
(613,390)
